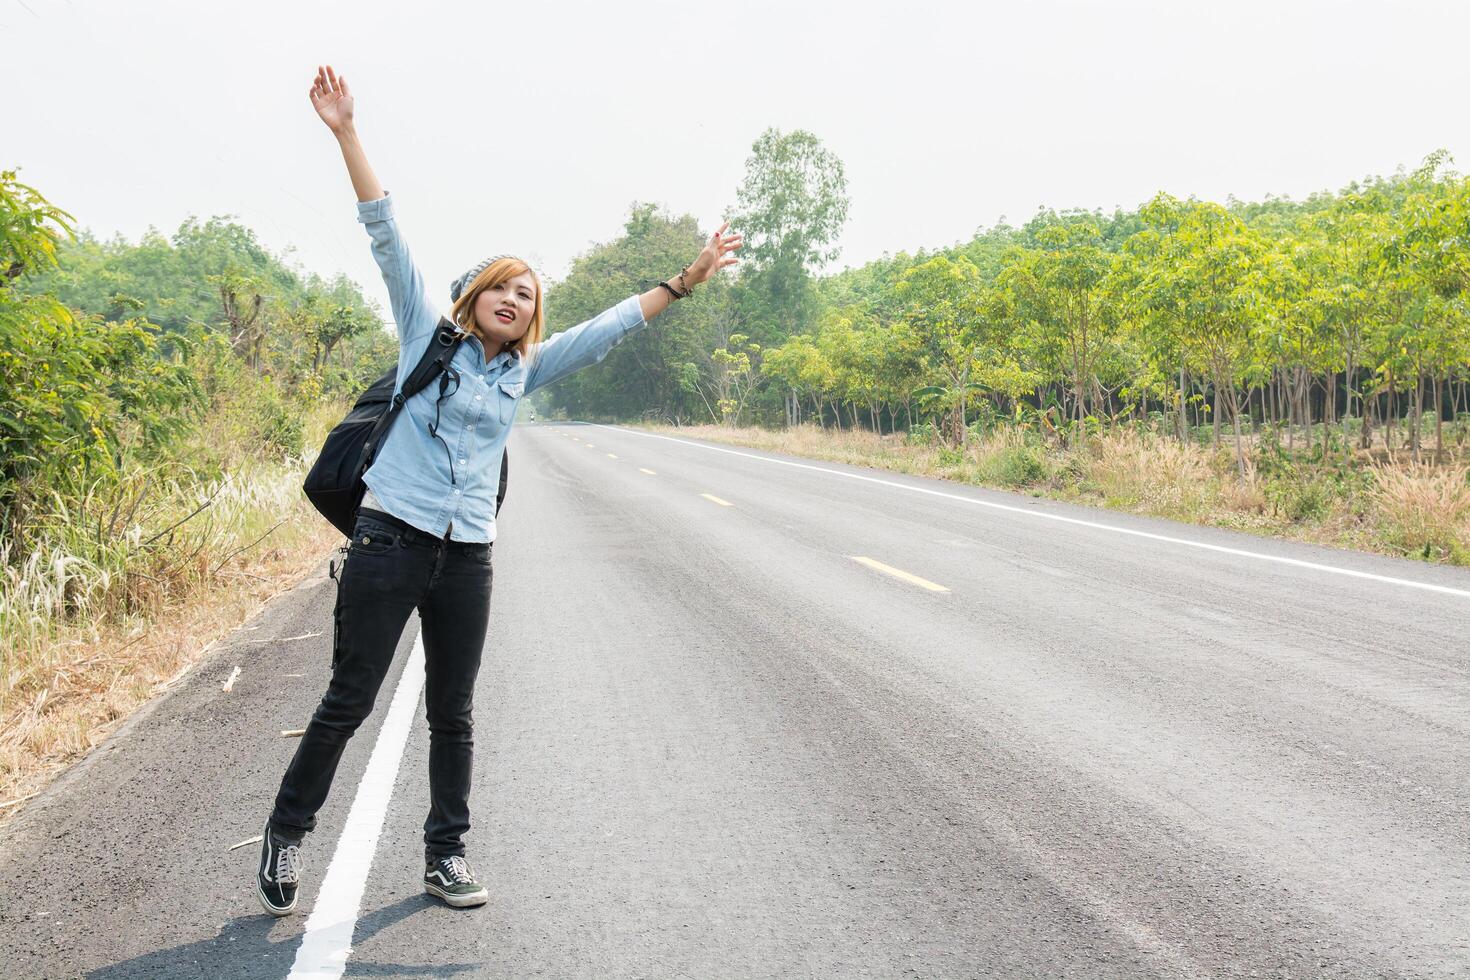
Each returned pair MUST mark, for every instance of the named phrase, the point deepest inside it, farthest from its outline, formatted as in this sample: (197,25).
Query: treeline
(1339,321)
(163,361)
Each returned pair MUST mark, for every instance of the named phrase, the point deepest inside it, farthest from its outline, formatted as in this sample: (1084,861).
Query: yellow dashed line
(649,472)
(612,455)
(922,583)
(722,503)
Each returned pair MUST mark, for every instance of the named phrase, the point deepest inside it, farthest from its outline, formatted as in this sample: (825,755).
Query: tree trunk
(1179,420)
(1438,421)
(1367,408)
(1418,410)
(1388,415)
(1215,420)
(1235,419)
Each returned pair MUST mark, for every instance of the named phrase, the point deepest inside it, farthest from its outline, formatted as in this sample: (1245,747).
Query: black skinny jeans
(391,569)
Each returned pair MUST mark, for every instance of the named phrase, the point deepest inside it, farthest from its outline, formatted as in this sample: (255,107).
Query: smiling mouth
(505,317)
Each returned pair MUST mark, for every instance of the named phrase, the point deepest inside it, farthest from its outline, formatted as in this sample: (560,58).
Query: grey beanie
(458,286)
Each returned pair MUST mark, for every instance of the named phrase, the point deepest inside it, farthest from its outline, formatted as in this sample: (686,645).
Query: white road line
(328,938)
(1046,516)
(642,469)
(722,503)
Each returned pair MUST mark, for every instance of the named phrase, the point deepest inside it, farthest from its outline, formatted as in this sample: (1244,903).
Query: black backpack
(334,486)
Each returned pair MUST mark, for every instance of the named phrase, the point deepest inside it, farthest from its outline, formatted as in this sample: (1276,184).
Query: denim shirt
(415,477)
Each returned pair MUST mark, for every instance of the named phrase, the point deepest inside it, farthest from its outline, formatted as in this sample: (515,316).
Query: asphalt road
(823,726)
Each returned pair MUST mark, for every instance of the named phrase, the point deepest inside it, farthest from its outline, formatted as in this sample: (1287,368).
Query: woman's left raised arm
(712,258)
(588,342)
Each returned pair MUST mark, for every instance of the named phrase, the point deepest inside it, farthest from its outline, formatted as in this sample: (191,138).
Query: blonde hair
(496,273)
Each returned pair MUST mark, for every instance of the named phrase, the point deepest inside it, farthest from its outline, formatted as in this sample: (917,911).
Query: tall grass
(126,581)
(1425,510)
(1396,507)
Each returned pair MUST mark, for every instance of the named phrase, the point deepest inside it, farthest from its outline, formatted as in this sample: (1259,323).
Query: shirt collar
(504,356)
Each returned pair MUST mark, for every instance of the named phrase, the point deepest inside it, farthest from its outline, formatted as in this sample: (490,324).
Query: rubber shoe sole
(274,910)
(457,901)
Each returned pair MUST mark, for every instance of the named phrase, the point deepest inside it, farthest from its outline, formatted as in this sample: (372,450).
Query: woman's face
(503,312)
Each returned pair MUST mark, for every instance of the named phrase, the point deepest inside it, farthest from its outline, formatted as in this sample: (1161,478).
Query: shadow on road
(244,949)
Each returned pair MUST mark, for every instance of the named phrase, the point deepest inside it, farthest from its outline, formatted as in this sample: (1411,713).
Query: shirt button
(461,462)
(456,489)
(478,397)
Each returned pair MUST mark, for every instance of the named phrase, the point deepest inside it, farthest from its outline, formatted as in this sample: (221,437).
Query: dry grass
(95,624)
(1167,477)
(1396,508)
(1423,509)
(96,678)
(66,689)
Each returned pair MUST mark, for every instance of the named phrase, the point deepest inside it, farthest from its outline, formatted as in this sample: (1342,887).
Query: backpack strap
(436,357)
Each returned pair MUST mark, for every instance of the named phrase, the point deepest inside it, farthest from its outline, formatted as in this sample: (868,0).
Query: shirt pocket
(510,397)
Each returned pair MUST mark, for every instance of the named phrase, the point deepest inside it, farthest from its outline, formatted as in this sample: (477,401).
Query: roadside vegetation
(156,404)
(1402,508)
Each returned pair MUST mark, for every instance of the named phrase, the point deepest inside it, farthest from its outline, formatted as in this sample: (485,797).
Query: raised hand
(332,99)
(714,257)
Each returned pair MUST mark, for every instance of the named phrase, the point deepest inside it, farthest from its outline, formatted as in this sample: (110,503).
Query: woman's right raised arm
(332,100)
(412,314)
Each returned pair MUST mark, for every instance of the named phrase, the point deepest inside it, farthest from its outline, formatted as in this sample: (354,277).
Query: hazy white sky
(530,127)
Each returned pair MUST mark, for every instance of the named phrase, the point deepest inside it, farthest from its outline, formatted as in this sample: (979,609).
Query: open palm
(715,255)
(331,98)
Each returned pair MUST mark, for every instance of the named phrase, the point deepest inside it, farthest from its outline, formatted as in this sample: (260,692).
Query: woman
(424,534)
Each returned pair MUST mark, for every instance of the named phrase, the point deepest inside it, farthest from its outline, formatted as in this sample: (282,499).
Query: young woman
(424,533)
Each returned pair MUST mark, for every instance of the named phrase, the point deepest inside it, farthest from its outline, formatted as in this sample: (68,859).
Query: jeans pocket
(370,537)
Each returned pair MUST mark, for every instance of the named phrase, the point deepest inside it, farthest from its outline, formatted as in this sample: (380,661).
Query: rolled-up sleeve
(411,311)
(583,345)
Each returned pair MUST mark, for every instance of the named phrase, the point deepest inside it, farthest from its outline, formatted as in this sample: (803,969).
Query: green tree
(649,374)
(790,207)
(954,324)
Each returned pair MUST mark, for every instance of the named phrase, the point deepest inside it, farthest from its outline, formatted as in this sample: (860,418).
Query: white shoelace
(289,865)
(459,870)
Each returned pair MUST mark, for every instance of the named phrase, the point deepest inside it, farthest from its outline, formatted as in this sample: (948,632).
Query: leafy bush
(922,434)
(1300,500)
(1015,466)
(280,425)
(77,395)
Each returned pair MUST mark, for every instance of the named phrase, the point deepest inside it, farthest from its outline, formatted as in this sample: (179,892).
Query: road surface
(743,715)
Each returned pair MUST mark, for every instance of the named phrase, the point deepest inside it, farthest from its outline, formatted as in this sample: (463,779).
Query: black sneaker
(279,872)
(450,878)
